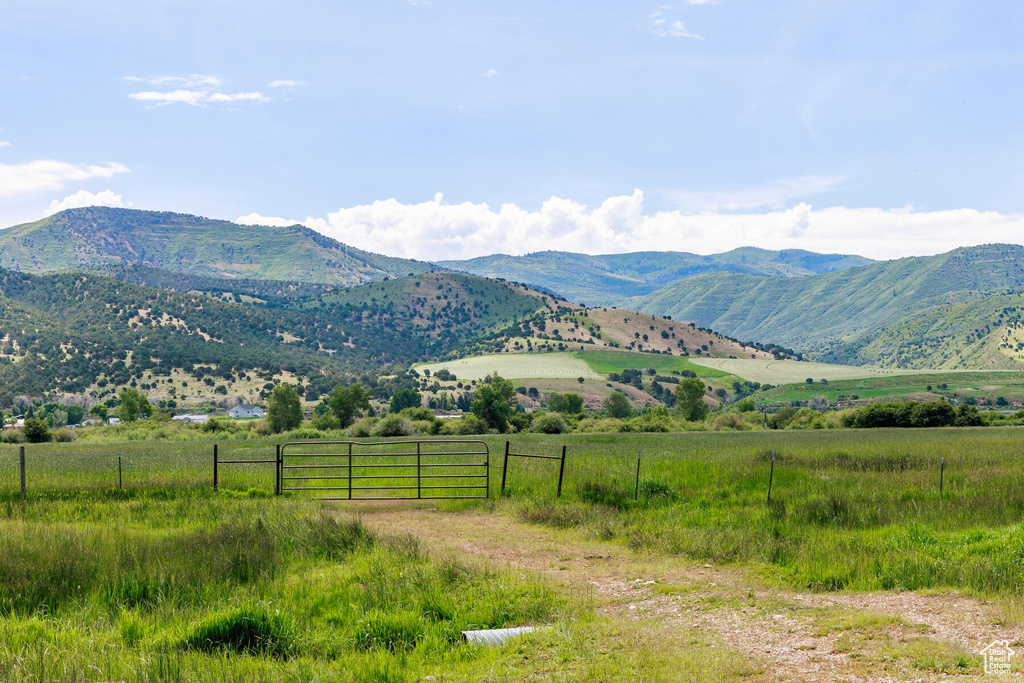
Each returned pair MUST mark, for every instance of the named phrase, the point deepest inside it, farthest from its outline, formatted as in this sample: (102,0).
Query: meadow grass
(164,580)
(849,508)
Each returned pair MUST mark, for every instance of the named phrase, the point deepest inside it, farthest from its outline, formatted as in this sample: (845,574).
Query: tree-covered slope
(68,332)
(833,314)
(608,280)
(982,333)
(94,238)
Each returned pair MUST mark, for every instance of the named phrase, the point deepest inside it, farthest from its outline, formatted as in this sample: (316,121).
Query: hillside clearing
(516,366)
(792,372)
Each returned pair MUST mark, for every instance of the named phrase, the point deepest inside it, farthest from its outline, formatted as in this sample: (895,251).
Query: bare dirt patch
(785,635)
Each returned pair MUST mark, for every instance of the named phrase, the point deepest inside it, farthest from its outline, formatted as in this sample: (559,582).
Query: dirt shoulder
(784,635)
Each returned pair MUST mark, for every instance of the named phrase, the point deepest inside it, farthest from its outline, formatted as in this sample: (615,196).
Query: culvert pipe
(495,636)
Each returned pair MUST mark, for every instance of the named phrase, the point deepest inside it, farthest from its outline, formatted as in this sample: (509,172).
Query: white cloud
(676,29)
(191,81)
(774,195)
(283,84)
(44,175)
(435,230)
(237,97)
(420,3)
(269,221)
(491,73)
(86,198)
(4,143)
(195,90)
(193,97)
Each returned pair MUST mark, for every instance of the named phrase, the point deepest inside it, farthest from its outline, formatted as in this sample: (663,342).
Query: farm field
(562,365)
(777,372)
(589,364)
(922,387)
(165,580)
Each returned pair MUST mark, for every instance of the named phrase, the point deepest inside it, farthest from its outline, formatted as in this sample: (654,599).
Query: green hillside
(75,334)
(984,333)
(609,279)
(95,238)
(835,316)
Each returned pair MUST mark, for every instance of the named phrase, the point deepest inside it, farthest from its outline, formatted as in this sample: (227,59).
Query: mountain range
(94,238)
(608,280)
(953,310)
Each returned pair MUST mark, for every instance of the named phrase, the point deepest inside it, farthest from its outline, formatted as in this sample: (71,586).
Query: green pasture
(703,495)
(606,362)
(991,385)
(777,372)
(164,579)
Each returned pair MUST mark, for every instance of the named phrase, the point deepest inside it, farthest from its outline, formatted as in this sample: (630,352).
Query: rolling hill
(857,315)
(96,238)
(610,279)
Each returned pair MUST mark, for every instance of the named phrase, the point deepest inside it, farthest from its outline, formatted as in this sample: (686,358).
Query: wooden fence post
(771,477)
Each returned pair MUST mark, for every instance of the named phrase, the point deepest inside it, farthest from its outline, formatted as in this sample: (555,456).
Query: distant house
(245,410)
(192,419)
(114,421)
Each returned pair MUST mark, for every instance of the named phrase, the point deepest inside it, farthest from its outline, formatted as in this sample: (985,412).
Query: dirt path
(786,635)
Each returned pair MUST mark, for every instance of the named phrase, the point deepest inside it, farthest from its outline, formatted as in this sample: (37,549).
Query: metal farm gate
(442,469)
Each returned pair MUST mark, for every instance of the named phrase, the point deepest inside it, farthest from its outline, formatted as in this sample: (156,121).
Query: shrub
(394,425)
(464,426)
(253,629)
(417,413)
(362,428)
(36,431)
(549,423)
(63,436)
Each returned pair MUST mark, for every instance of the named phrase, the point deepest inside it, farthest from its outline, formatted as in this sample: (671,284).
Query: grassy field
(166,581)
(589,364)
(979,385)
(792,372)
(517,366)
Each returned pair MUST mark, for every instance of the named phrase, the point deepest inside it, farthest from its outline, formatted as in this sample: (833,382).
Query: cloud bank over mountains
(435,230)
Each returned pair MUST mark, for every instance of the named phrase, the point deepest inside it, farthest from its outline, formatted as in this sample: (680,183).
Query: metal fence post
(278,472)
(487,469)
(120,481)
(214,468)
(21,460)
(636,492)
(942,472)
(419,473)
(771,477)
(561,471)
(504,469)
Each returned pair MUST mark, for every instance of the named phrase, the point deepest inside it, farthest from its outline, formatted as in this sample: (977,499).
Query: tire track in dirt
(788,632)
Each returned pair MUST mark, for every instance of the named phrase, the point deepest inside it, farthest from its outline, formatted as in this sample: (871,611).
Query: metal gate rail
(402,470)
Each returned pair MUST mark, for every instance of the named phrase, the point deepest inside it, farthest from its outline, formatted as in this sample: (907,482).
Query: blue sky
(871,127)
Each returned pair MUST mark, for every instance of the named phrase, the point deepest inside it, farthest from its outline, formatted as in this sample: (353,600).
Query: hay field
(793,372)
(516,366)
